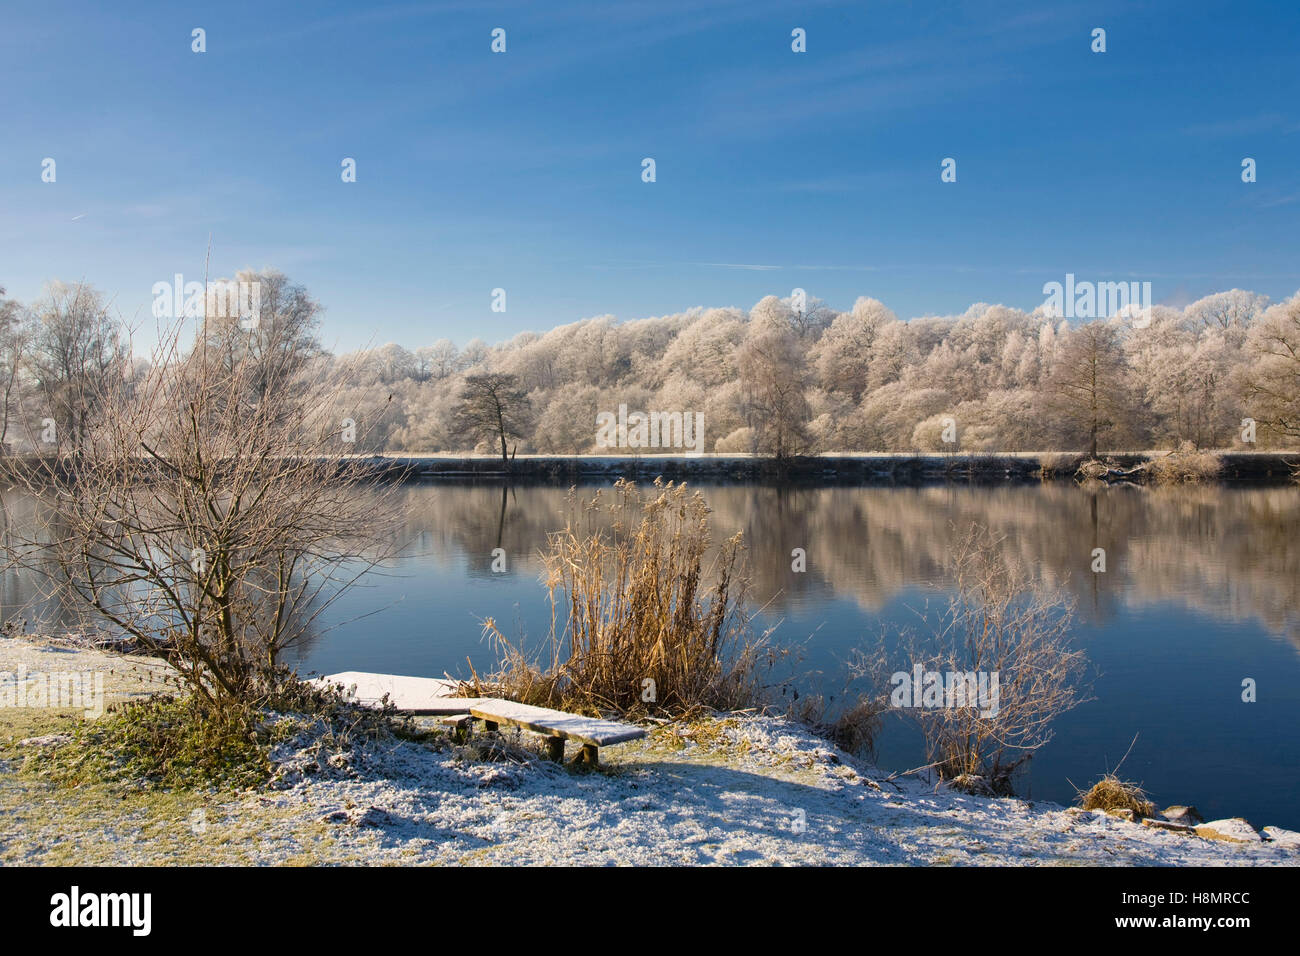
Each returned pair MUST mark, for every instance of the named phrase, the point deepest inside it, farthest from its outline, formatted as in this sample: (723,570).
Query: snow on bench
(420,696)
(431,696)
(558,726)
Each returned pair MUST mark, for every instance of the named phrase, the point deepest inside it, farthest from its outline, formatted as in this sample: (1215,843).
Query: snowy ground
(737,790)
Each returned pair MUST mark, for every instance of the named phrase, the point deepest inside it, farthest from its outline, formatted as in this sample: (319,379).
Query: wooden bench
(557,727)
(458,725)
(432,697)
(418,696)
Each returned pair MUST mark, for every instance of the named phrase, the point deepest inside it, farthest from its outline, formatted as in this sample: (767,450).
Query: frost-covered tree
(705,350)
(774,377)
(1272,376)
(77,349)
(392,363)
(440,360)
(843,356)
(1229,312)
(891,413)
(284,339)
(13,346)
(1090,384)
(568,424)
(475,354)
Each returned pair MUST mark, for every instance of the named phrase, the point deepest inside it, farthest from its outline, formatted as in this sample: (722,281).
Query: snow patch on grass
(737,789)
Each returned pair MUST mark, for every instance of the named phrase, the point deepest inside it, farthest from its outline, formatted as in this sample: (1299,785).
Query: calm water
(1202,590)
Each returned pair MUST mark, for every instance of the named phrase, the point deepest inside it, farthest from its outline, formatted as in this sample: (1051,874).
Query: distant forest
(772,380)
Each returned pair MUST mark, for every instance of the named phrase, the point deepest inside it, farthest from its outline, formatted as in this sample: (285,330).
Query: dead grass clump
(855,731)
(639,624)
(1186,465)
(857,728)
(1112,793)
(1056,464)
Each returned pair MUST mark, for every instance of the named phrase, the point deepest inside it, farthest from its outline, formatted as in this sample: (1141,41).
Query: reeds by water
(647,618)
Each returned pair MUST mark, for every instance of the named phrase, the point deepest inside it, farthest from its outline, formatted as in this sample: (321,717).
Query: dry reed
(639,625)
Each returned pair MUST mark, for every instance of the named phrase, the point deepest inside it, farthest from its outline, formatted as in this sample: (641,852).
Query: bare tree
(492,408)
(13,345)
(1089,381)
(278,342)
(997,623)
(76,358)
(211,528)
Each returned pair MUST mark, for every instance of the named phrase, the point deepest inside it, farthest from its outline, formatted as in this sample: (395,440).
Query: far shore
(904,469)
(876,468)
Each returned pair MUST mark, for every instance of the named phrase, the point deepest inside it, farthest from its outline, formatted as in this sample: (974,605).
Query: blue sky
(522,170)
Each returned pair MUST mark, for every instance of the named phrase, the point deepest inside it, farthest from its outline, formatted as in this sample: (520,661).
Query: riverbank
(874,469)
(736,789)
(859,469)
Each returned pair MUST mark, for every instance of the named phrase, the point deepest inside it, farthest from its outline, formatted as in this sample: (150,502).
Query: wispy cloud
(749,267)
(1245,126)
(1279,201)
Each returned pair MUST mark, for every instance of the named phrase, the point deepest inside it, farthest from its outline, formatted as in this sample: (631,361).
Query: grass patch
(188,743)
(19,723)
(1112,793)
(162,741)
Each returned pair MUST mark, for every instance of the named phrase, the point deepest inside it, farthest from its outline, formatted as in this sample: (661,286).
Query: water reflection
(1230,553)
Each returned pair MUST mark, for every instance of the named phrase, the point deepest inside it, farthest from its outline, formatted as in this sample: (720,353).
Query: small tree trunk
(501,432)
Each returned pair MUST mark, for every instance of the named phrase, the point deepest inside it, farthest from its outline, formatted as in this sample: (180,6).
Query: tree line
(775,380)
